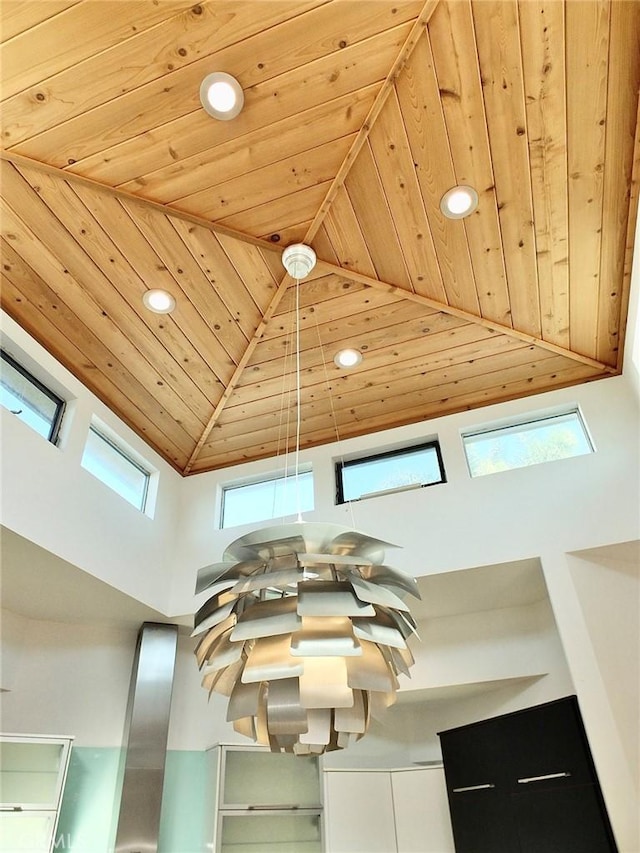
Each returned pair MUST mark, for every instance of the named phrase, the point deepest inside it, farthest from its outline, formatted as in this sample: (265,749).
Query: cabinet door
(359,812)
(560,819)
(422,817)
(550,741)
(258,778)
(31,832)
(32,772)
(287,832)
(475,755)
(482,822)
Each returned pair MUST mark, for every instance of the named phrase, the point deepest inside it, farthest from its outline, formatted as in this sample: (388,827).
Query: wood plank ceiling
(358,116)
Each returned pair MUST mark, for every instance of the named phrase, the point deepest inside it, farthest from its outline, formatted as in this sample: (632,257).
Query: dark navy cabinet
(525,783)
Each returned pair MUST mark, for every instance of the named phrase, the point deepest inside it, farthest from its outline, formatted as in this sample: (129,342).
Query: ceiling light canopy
(459,202)
(298,260)
(348,358)
(159,301)
(221,95)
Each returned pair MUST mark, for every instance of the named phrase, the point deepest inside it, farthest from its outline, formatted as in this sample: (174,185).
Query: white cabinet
(421,808)
(359,812)
(387,811)
(267,802)
(33,771)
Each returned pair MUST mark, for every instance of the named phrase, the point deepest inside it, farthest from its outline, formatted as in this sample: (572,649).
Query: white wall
(469,648)
(48,498)
(608,587)
(597,617)
(572,503)
(546,511)
(73,679)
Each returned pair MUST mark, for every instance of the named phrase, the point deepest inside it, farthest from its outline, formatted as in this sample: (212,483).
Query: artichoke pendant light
(306,628)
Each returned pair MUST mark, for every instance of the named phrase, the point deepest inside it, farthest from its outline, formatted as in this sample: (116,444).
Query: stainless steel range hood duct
(146,731)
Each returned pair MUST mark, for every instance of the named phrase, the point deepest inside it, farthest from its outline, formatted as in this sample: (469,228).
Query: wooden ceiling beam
(268,314)
(403,57)
(72,178)
(465,315)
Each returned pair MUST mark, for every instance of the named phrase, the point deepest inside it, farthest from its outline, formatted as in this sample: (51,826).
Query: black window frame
(60,404)
(341,464)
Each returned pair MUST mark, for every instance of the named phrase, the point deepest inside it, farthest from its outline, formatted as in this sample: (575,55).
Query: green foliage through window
(529,443)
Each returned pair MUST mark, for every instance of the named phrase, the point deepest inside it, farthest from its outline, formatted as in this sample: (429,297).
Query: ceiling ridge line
(237,373)
(71,177)
(376,108)
(466,315)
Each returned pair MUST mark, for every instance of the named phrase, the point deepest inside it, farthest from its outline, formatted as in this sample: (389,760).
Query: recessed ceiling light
(459,202)
(159,301)
(221,95)
(348,358)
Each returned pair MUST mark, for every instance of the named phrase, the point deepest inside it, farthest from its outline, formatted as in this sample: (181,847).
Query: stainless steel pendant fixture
(306,628)
(306,632)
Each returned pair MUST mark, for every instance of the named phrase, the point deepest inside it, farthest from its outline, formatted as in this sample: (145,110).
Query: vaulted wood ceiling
(359,115)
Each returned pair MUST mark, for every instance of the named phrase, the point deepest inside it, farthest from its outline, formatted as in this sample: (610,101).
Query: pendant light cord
(298,397)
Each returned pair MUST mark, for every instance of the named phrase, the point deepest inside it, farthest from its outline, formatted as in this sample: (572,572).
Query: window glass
(526,443)
(245,503)
(28,399)
(386,472)
(110,463)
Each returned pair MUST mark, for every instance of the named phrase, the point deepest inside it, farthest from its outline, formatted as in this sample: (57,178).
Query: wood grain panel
(211,365)
(254,150)
(378,326)
(322,245)
(389,351)
(495,379)
(622,97)
(16,16)
(453,46)
(341,230)
(421,107)
(275,181)
(543,46)
(49,320)
(160,341)
(395,166)
(228,452)
(498,40)
(251,265)
(191,33)
(69,37)
(276,220)
(587,46)
(62,281)
(41,241)
(402,365)
(166,243)
(369,203)
(358,117)
(106,150)
(220,273)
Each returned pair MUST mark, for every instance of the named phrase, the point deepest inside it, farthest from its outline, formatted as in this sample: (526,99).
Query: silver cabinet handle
(274,807)
(473,788)
(528,779)
(10,808)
